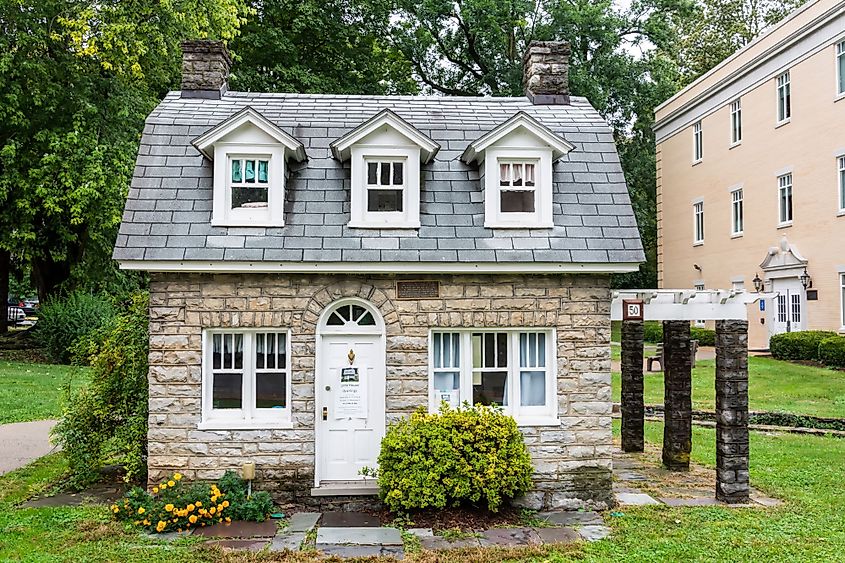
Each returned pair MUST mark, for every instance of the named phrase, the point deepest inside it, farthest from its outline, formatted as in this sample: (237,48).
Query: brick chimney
(546,72)
(205,69)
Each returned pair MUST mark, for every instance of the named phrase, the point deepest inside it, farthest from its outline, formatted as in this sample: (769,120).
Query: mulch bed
(463,518)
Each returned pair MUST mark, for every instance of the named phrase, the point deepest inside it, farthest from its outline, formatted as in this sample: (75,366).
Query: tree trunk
(48,275)
(5,266)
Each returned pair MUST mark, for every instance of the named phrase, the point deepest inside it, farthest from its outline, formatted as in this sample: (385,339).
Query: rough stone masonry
(572,459)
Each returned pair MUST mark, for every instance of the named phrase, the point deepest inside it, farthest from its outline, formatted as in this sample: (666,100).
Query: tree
(77,79)
(314,46)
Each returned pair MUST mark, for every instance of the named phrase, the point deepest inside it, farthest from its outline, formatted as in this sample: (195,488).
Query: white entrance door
(788,314)
(350,391)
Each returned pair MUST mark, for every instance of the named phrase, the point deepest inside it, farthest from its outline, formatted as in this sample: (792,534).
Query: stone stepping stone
(361,551)
(358,536)
(421,532)
(631,476)
(557,535)
(572,518)
(303,521)
(594,533)
(766,501)
(249,545)
(439,543)
(338,519)
(239,529)
(290,541)
(635,499)
(509,537)
(693,501)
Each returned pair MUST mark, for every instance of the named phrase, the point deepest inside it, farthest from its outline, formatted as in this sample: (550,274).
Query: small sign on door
(632,309)
(351,398)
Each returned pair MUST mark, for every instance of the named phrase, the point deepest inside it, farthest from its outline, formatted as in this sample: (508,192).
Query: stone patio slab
(290,541)
(557,535)
(509,537)
(690,501)
(249,545)
(572,517)
(421,532)
(766,501)
(238,529)
(303,521)
(594,533)
(359,551)
(635,499)
(338,519)
(439,543)
(358,536)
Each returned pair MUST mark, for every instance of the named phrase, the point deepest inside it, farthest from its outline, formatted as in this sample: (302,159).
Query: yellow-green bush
(832,351)
(468,455)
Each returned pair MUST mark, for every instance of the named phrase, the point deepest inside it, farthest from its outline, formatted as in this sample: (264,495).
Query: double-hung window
(736,122)
(840,161)
(736,212)
(785,200)
(517,183)
(698,222)
(246,381)
(697,143)
(513,369)
(249,183)
(385,186)
(784,97)
(840,68)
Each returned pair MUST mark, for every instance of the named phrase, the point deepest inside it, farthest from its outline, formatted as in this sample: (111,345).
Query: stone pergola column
(633,410)
(732,483)
(677,377)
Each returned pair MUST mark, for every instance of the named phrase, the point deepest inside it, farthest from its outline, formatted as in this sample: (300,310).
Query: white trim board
(234,267)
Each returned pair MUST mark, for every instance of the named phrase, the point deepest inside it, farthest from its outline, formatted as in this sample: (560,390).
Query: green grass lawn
(30,391)
(773,386)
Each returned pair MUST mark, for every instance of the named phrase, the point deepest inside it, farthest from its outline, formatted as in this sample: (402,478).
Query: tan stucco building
(751,175)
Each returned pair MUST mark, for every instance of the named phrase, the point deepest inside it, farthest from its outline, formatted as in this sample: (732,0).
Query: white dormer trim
(341,147)
(476,149)
(249,136)
(204,143)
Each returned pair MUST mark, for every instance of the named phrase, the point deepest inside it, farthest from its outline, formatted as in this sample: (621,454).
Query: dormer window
(385,154)
(250,157)
(516,164)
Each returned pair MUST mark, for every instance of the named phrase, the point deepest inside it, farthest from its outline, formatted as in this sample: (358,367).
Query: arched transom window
(350,315)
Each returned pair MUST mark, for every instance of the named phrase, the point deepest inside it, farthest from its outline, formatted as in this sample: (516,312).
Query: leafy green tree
(77,79)
(315,46)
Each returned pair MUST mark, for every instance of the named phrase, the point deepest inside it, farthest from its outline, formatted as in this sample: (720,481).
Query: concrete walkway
(24,442)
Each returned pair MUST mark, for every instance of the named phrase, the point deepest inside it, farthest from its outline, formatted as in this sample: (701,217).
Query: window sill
(737,235)
(839,97)
(495,225)
(245,223)
(358,225)
(538,421)
(735,145)
(780,124)
(784,225)
(697,162)
(699,243)
(841,213)
(245,425)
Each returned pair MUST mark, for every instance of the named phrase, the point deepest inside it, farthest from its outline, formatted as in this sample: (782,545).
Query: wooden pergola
(676,309)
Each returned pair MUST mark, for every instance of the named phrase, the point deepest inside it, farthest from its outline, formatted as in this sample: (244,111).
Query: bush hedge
(653,331)
(802,345)
(832,351)
(472,454)
(64,321)
(705,336)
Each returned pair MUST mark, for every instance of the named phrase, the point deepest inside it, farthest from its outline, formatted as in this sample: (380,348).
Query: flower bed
(174,505)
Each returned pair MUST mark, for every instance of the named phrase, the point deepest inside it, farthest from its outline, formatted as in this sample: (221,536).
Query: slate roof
(168,210)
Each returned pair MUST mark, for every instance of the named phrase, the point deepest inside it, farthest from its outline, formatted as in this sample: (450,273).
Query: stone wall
(572,460)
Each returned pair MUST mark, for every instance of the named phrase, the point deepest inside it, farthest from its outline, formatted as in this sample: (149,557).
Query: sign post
(632,309)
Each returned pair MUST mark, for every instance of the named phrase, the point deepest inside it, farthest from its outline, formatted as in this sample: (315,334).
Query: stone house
(321,265)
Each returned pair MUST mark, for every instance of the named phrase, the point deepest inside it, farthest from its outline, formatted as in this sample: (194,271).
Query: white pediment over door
(783,260)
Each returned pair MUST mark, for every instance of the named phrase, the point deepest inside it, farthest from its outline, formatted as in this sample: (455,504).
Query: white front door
(350,394)
(788,313)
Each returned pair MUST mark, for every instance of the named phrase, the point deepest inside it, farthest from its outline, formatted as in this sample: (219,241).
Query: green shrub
(832,351)
(175,505)
(471,454)
(64,321)
(705,336)
(803,345)
(653,331)
(106,422)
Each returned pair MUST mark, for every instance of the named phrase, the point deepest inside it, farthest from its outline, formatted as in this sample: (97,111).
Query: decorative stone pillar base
(677,372)
(732,483)
(633,411)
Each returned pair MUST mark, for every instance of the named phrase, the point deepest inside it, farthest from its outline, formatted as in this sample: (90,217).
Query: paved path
(23,442)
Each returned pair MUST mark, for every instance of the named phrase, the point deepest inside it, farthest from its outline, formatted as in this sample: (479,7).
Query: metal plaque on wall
(417,289)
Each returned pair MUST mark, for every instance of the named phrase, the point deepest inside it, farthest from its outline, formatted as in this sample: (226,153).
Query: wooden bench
(658,358)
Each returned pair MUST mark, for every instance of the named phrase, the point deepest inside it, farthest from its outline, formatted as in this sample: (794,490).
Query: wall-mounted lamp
(758,283)
(805,279)
(697,267)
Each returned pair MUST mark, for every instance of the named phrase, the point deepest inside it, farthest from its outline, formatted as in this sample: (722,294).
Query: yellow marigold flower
(221,520)
(177,476)
(162,486)
(191,508)
(228,519)
(116,510)
(168,507)
(155,490)
(192,519)
(146,522)
(141,510)
(171,483)
(226,503)
(161,525)
(199,504)
(212,510)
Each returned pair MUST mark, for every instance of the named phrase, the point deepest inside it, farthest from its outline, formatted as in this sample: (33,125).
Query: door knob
(325,413)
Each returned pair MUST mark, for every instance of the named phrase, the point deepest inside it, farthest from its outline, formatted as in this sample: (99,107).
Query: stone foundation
(572,459)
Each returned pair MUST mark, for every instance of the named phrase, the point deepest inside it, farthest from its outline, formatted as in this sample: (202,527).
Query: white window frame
(409,217)
(697,143)
(698,222)
(247,417)
(840,161)
(271,216)
(737,213)
(699,323)
(524,415)
(736,122)
(783,98)
(494,217)
(785,192)
(840,69)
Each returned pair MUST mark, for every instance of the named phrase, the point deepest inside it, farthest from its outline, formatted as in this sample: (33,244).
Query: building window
(782,317)
(249,183)
(512,369)
(841,162)
(385,186)
(785,199)
(246,378)
(517,181)
(840,68)
(697,143)
(736,122)
(784,97)
(699,323)
(698,220)
(736,212)
(796,308)
(249,190)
